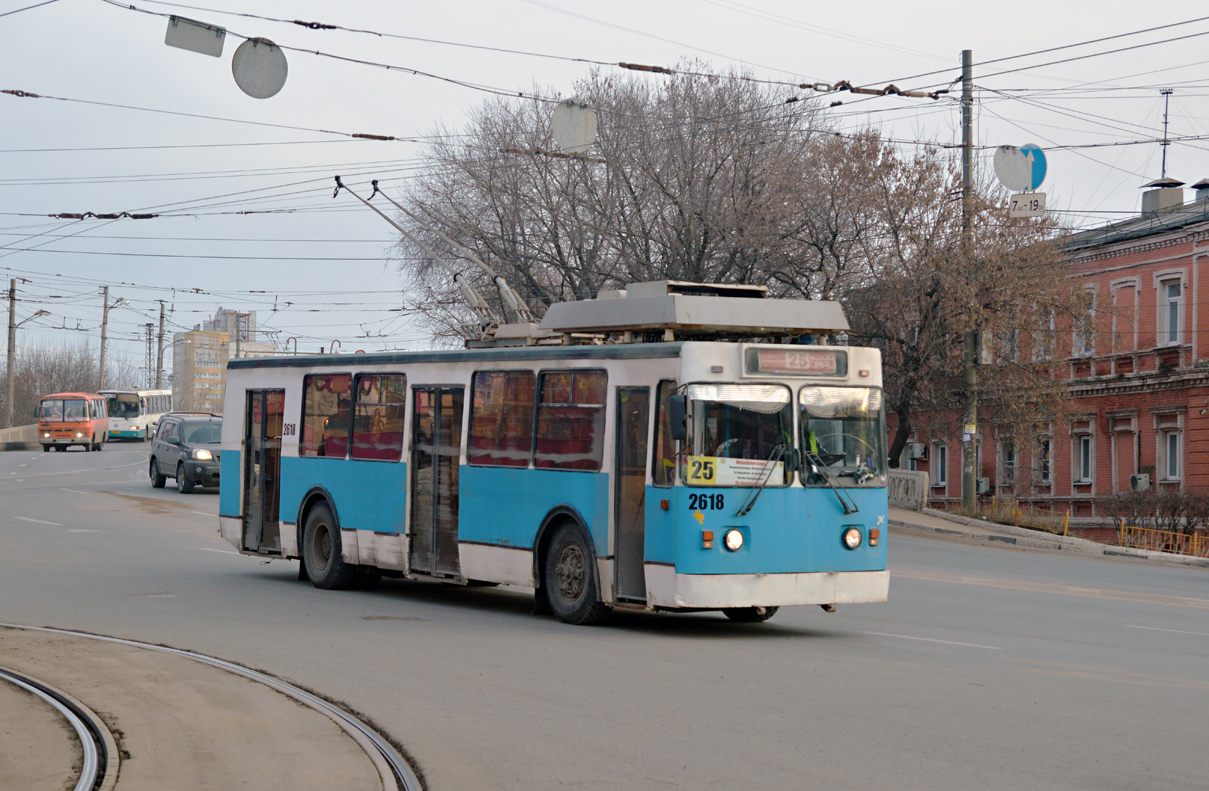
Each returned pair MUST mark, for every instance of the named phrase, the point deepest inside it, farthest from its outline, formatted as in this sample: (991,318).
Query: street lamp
(12,361)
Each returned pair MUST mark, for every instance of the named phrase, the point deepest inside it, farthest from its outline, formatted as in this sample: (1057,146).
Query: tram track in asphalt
(394,769)
(98,763)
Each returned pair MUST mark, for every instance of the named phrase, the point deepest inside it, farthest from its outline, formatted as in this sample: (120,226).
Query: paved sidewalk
(938,523)
(180,724)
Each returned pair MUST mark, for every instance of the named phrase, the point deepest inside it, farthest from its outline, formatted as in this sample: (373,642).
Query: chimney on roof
(1162,195)
(1202,189)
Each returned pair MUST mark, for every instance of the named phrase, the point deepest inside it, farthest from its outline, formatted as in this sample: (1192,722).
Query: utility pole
(159,355)
(1166,92)
(12,345)
(150,378)
(104,329)
(969,417)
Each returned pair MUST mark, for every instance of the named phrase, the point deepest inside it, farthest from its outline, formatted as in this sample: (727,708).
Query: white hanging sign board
(195,36)
(574,126)
(1027,204)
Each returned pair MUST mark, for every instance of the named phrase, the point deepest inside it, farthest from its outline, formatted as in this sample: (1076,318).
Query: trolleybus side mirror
(677,416)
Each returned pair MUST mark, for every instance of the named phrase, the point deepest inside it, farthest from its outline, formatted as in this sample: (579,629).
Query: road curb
(1025,538)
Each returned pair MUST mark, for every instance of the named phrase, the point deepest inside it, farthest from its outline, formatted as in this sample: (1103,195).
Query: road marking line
(202,513)
(930,640)
(1066,590)
(1173,631)
(39,521)
(74,491)
(84,530)
(224,551)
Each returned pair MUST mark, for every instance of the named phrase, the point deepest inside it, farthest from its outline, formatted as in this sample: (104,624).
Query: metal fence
(908,489)
(1194,544)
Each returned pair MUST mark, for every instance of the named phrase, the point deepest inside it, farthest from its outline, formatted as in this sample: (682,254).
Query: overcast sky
(329,258)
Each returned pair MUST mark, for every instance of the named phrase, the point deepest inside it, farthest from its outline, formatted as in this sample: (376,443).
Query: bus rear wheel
(321,551)
(750,614)
(570,579)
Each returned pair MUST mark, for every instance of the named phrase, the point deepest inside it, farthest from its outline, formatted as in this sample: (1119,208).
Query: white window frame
(1169,437)
(939,465)
(1083,336)
(1173,448)
(1006,468)
(1045,460)
(1080,441)
(1163,304)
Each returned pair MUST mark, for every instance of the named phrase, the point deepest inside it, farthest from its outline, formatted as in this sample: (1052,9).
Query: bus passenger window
(571,420)
(501,419)
(663,467)
(326,413)
(378,417)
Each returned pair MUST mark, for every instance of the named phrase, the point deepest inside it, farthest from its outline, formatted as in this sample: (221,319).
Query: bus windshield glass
(842,434)
(124,405)
(63,409)
(740,434)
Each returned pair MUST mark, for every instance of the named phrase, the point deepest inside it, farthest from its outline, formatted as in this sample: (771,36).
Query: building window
(1044,465)
(940,465)
(326,413)
(501,419)
(378,417)
(571,420)
(1007,463)
(1044,334)
(1085,332)
(1084,467)
(1171,455)
(1169,312)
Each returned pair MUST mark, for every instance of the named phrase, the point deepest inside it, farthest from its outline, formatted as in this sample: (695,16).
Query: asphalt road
(990,668)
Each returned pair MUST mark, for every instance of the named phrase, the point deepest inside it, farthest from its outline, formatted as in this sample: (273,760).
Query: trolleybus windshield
(842,433)
(736,430)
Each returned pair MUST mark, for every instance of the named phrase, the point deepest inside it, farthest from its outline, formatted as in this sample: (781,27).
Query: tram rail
(87,726)
(393,768)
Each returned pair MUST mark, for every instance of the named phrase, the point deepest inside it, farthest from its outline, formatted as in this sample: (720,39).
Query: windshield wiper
(766,475)
(821,469)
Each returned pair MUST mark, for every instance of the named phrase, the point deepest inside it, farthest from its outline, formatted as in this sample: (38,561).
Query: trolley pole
(12,357)
(969,417)
(159,355)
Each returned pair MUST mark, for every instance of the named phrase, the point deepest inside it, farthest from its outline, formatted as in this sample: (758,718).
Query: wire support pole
(104,330)
(1166,140)
(159,354)
(12,357)
(969,418)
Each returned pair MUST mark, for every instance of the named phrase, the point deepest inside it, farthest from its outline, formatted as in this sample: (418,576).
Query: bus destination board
(807,362)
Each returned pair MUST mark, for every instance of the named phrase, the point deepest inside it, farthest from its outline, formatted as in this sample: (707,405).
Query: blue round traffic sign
(1036,158)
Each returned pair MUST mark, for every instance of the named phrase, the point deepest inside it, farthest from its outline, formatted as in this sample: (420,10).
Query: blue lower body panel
(367,495)
(505,506)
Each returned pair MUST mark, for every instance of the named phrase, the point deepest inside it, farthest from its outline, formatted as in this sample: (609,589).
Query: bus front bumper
(668,589)
(125,433)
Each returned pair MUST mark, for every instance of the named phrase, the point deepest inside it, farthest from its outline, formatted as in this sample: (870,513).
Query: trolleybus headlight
(46,435)
(852,537)
(733,540)
(79,434)
(203,454)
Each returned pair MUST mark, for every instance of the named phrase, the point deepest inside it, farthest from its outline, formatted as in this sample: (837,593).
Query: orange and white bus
(66,419)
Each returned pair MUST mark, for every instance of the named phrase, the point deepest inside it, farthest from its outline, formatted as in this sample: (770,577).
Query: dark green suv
(185,447)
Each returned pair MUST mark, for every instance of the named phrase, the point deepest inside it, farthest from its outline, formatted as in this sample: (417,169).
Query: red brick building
(1138,372)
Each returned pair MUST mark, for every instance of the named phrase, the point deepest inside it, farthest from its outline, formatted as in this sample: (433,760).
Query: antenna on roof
(487,320)
(507,295)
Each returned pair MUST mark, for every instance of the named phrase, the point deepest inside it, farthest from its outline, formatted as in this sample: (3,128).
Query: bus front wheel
(570,579)
(321,551)
(750,614)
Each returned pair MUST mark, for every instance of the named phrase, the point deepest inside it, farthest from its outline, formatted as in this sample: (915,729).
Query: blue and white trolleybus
(672,447)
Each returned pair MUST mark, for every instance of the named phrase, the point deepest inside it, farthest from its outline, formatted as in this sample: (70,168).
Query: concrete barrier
(908,489)
(19,437)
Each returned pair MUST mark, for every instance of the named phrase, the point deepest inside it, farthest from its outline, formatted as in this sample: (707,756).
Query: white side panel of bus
(507,565)
(380,550)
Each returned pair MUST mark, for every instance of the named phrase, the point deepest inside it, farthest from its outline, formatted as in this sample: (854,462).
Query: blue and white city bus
(134,414)
(659,448)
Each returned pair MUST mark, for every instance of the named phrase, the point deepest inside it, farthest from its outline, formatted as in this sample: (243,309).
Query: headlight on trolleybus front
(733,540)
(852,537)
(79,434)
(203,454)
(45,435)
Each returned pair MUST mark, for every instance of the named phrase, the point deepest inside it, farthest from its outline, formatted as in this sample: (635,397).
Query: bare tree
(43,369)
(699,181)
